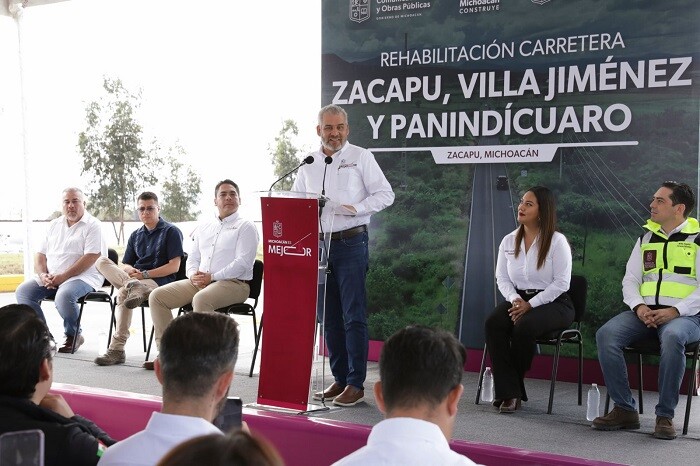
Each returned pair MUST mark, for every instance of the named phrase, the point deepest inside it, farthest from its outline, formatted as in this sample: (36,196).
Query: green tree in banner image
(113,153)
(284,154)
(181,190)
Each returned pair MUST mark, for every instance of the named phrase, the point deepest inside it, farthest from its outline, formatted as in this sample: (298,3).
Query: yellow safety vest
(668,263)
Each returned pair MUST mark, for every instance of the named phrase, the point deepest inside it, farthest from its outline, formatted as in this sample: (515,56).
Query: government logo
(277,229)
(359,10)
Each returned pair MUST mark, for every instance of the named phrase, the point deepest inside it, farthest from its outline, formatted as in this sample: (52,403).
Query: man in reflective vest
(662,291)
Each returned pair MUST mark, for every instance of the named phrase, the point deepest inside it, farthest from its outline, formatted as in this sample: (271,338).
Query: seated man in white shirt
(219,264)
(420,386)
(195,367)
(65,266)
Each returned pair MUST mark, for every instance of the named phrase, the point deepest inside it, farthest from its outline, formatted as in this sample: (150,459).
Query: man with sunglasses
(151,259)
(26,374)
(661,287)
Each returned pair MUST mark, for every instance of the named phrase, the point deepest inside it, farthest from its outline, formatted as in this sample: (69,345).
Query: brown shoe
(136,293)
(68,344)
(509,405)
(111,357)
(148,365)
(497,402)
(350,396)
(664,428)
(329,393)
(617,419)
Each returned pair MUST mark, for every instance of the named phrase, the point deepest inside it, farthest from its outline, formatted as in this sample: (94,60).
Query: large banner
(468,103)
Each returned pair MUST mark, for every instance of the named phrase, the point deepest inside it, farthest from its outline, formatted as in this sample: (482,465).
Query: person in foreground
(195,367)
(420,374)
(26,374)
(533,273)
(152,258)
(237,448)
(65,265)
(358,188)
(662,291)
(219,264)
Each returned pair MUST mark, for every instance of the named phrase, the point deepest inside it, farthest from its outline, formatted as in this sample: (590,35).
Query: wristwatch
(145,274)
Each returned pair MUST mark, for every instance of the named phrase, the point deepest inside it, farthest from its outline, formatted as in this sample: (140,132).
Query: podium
(296,261)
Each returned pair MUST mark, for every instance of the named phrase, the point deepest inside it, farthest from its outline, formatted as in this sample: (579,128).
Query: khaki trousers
(174,295)
(119,278)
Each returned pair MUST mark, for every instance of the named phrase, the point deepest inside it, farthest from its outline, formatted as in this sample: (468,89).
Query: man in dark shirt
(151,259)
(26,373)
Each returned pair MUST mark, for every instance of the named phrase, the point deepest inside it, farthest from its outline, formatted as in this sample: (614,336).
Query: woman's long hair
(548,223)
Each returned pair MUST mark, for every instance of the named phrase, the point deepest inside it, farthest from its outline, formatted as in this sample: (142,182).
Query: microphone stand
(307,161)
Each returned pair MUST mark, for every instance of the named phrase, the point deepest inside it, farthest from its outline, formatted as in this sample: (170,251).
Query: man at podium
(350,177)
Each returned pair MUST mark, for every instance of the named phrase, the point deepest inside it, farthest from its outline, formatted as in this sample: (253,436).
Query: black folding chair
(578,289)
(98,296)
(652,347)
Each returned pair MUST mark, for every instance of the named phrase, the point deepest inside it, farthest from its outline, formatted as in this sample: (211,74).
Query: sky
(219,77)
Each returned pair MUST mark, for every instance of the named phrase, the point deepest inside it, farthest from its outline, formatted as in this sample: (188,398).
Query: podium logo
(277,229)
(359,10)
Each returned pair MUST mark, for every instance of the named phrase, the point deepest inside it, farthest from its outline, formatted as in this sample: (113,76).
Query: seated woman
(533,273)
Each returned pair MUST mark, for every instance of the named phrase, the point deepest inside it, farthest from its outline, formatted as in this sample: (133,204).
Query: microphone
(307,161)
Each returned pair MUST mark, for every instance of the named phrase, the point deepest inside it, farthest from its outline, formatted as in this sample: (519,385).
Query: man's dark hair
(196,349)
(148,196)
(420,365)
(226,181)
(681,193)
(25,342)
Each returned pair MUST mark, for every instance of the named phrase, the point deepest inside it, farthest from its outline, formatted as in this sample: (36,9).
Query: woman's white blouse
(522,273)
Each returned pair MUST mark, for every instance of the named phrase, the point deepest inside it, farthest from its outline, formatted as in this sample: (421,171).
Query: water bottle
(101,343)
(593,402)
(487,386)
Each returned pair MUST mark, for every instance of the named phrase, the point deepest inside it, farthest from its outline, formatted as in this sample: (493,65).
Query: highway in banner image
(492,217)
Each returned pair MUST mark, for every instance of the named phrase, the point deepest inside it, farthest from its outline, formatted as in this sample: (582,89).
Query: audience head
(196,350)
(237,448)
(26,351)
(419,367)
(681,193)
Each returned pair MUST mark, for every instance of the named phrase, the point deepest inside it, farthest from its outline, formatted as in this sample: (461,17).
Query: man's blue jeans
(66,300)
(626,328)
(345,329)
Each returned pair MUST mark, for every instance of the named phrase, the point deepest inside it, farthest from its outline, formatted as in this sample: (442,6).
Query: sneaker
(111,357)
(617,419)
(664,428)
(329,393)
(149,365)
(350,396)
(136,293)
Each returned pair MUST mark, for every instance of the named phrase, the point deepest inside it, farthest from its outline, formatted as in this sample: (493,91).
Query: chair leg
(555,367)
(143,326)
(77,327)
(607,404)
(691,390)
(150,341)
(641,383)
(580,373)
(481,375)
(257,344)
(112,324)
